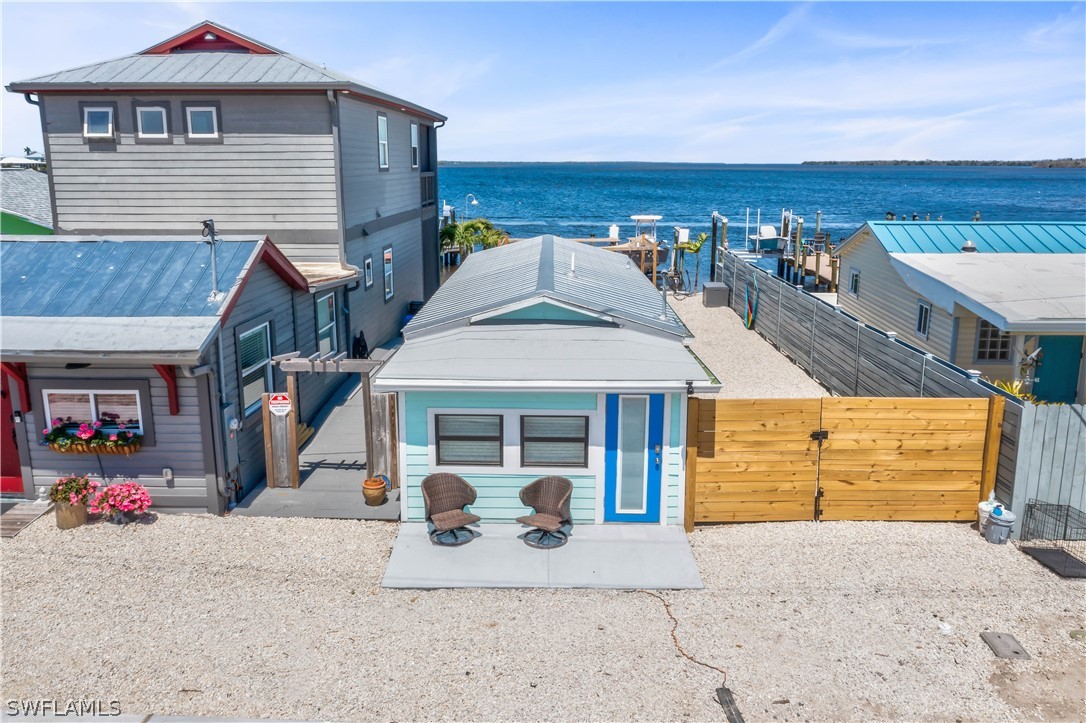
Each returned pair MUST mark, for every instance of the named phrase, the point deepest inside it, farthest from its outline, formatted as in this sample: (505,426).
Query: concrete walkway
(622,557)
(331,469)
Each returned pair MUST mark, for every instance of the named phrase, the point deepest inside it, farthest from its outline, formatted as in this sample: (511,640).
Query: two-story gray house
(212,124)
(322,191)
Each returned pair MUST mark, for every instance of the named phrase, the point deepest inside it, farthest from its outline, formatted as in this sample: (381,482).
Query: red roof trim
(196,34)
(270,254)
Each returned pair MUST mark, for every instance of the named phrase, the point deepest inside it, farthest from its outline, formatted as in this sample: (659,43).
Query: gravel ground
(748,366)
(260,617)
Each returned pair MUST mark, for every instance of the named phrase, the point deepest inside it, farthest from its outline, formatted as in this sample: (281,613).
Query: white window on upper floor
(382,141)
(854,282)
(98,122)
(388,273)
(414,145)
(326,324)
(202,121)
(151,122)
(923,319)
(254,358)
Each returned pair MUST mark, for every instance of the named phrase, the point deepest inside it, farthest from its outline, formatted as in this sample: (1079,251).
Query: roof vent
(572,264)
(969,247)
(209,37)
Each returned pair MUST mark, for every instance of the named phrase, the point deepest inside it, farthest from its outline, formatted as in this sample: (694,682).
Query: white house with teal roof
(547,357)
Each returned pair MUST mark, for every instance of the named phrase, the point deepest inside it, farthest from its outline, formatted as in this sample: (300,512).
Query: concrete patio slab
(621,557)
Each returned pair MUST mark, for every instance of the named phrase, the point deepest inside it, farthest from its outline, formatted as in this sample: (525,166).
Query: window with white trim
(992,343)
(98,122)
(326,324)
(367,267)
(254,358)
(202,121)
(389,291)
(854,282)
(923,319)
(115,409)
(382,141)
(468,439)
(553,441)
(151,122)
(414,145)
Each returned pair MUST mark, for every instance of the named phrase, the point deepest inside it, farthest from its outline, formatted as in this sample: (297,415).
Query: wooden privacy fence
(840,458)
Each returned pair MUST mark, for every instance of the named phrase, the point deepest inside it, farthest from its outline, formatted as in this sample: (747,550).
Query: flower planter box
(80,448)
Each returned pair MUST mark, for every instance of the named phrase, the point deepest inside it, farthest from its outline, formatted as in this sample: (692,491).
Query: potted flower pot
(69,515)
(374,491)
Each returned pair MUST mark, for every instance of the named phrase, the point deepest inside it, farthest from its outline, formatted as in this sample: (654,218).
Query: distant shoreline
(1052,163)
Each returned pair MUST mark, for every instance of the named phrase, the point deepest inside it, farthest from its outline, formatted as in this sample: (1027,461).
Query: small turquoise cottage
(547,356)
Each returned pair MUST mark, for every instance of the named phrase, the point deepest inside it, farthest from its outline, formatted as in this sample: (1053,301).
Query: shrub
(73,489)
(121,498)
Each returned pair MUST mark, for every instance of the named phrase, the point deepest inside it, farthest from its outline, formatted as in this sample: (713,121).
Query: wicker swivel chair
(446,495)
(549,498)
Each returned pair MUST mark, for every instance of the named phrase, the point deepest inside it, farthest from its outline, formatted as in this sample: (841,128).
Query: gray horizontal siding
(315,389)
(274,172)
(265,298)
(368,191)
(370,313)
(178,440)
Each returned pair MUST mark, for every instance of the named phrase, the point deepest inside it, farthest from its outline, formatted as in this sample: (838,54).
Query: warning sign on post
(279,404)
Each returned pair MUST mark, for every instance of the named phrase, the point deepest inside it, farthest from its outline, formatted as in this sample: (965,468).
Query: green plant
(73,489)
(466,235)
(108,432)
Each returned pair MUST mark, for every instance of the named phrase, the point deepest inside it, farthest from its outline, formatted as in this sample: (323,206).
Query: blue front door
(633,456)
(1057,372)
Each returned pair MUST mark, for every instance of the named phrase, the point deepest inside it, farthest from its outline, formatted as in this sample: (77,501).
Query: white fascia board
(462,385)
(1047,326)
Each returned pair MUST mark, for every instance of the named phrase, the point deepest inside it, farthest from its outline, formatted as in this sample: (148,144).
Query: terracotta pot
(374,491)
(69,515)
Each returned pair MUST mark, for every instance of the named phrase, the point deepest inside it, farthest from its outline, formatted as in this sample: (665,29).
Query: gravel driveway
(284,617)
(747,364)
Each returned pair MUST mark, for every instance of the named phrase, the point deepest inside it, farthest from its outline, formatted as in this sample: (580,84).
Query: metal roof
(940,237)
(25,193)
(80,276)
(547,267)
(1028,293)
(208,70)
(551,356)
(154,339)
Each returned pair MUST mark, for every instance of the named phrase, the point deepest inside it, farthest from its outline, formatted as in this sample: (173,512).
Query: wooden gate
(755,460)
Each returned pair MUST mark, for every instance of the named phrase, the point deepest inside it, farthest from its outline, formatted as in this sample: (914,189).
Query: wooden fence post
(692,424)
(992,437)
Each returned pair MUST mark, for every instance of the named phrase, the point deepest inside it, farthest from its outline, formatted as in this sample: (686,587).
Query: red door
(11,477)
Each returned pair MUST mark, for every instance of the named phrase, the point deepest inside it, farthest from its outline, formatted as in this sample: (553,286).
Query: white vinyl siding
(254,354)
(98,122)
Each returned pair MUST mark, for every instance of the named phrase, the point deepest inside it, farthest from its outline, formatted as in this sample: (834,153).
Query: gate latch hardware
(821,435)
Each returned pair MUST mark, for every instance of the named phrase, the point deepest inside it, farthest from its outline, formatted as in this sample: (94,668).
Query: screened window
(151,122)
(923,319)
(553,441)
(414,145)
(382,141)
(388,274)
(115,409)
(854,282)
(992,344)
(203,121)
(469,439)
(326,324)
(98,122)
(254,356)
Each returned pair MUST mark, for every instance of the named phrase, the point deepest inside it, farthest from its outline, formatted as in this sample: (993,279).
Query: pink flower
(73,499)
(113,438)
(121,426)
(45,431)
(97,423)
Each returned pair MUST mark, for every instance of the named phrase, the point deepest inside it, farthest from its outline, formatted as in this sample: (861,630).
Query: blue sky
(694,82)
